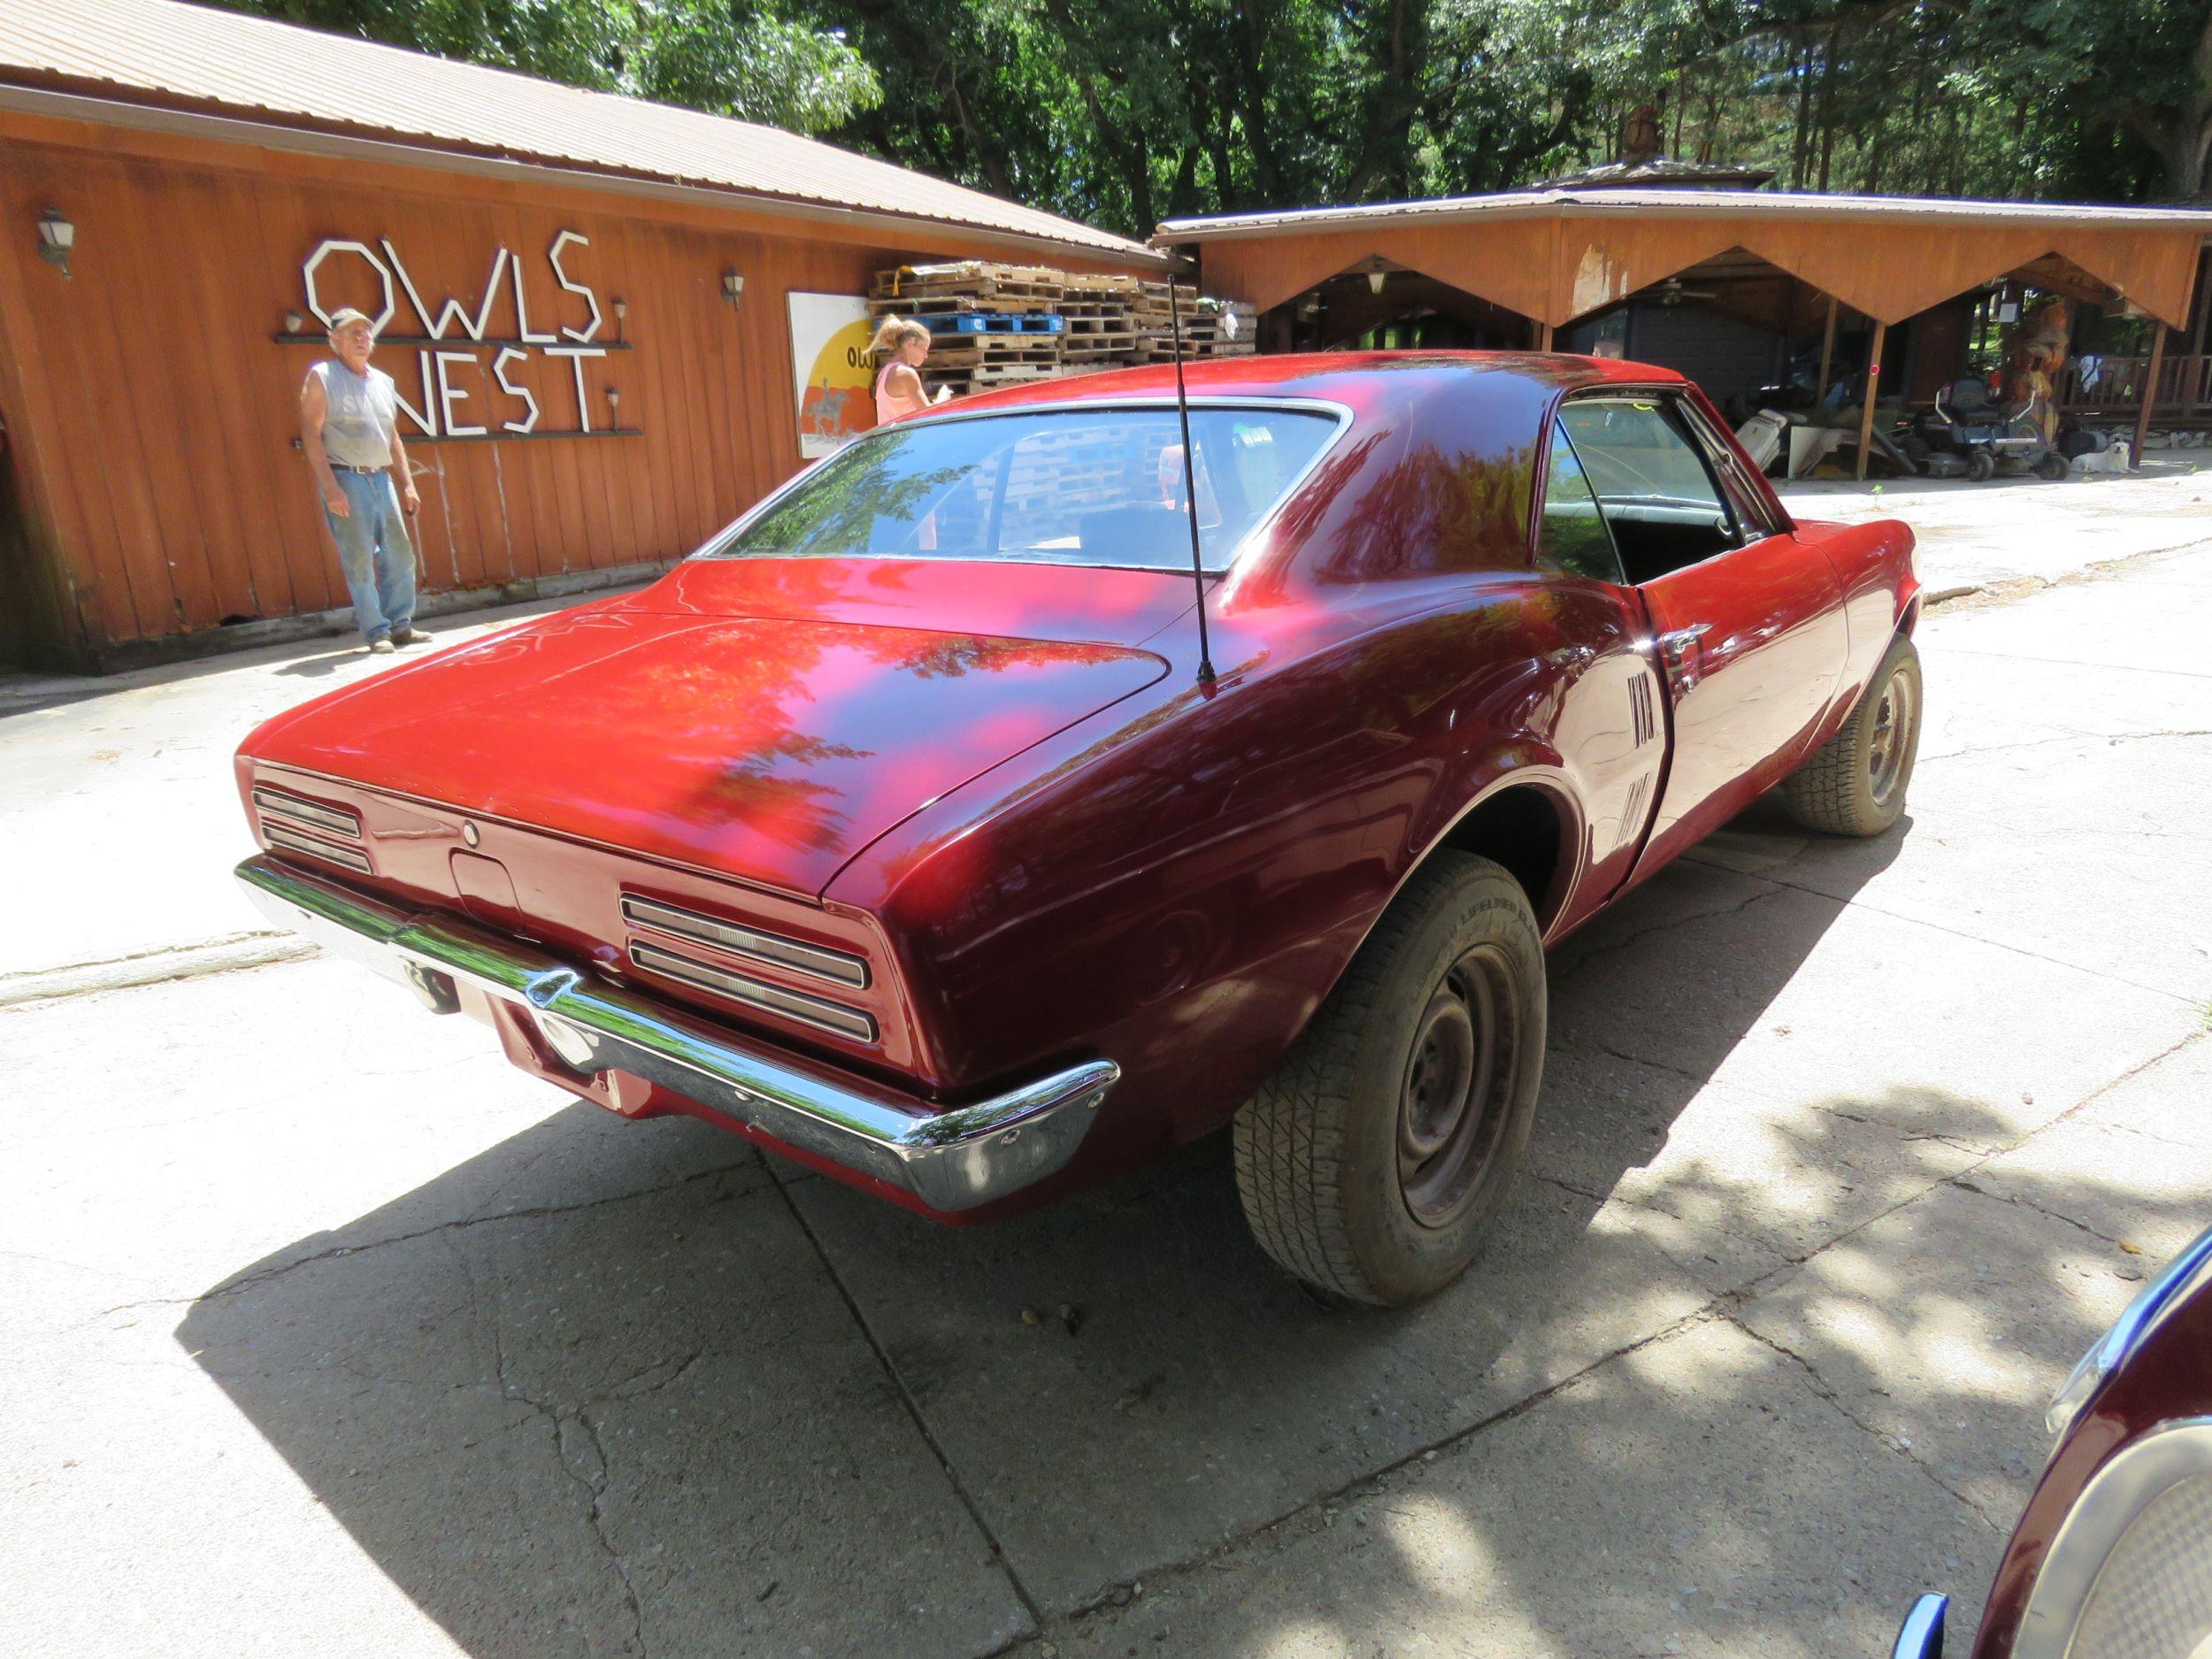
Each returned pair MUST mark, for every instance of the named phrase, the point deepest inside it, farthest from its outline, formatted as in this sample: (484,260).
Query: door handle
(1679,652)
(1677,643)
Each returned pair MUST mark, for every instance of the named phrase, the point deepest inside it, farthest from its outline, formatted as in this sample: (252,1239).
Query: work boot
(381,645)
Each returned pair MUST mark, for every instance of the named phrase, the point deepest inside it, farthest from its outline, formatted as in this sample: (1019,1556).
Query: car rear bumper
(949,1161)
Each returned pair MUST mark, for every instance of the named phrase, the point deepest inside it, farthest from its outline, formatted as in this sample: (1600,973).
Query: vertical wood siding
(147,395)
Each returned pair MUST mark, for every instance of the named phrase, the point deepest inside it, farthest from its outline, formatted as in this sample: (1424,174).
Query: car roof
(1358,378)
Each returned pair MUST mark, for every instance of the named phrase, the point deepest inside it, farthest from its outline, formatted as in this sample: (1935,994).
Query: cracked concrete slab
(170,1131)
(1217,1393)
(1698,1496)
(1946,1327)
(1800,1000)
(646,1423)
(2129,1166)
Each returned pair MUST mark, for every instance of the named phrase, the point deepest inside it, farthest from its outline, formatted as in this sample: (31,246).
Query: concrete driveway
(331,1333)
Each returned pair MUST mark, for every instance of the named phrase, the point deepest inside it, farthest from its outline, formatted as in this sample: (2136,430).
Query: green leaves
(1122,113)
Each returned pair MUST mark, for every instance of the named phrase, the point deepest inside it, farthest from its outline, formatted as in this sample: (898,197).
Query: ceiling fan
(1673,293)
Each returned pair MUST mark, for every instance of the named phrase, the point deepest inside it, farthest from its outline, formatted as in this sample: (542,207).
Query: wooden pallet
(976,279)
(975,349)
(1080,282)
(912,304)
(948,326)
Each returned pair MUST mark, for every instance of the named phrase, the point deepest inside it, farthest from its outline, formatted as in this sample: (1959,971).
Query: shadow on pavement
(686,1416)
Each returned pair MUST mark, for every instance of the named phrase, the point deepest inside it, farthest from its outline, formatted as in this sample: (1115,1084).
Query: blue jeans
(373,551)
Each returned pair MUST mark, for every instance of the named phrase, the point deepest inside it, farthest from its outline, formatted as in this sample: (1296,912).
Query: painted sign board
(833,369)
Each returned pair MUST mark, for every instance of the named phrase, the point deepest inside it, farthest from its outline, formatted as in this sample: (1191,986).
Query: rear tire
(2053,467)
(1854,784)
(1374,1161)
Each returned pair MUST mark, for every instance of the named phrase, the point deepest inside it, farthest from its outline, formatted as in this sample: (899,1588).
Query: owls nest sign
(477,382)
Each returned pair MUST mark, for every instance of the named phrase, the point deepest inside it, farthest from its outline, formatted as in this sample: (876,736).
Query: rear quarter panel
(1178,882)
(1874,566)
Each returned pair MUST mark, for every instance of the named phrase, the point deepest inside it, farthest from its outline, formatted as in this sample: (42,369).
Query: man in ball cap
(350,427)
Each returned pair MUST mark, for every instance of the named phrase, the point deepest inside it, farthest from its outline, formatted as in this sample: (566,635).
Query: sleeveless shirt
(889,407)
(363,411)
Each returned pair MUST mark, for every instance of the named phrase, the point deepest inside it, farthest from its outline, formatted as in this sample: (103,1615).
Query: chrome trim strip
(951,1161)
(292,840)
(311,814)
(1920,1636)
(838,966)
(2172,1453)
(811,1010)
(2176,1283)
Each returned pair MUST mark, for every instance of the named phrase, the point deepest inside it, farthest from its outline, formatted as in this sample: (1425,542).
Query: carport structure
(1548,260)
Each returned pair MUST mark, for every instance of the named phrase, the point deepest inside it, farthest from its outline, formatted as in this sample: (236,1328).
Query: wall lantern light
(621,314)
(1375,279)
(614,405)
(56,237)
(733,287)
(294,322)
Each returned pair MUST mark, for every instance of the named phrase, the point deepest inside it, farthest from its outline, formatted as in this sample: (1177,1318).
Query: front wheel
(1854,784)
(1373,1162)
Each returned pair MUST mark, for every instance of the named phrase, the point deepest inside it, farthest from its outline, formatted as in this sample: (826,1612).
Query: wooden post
(1827,352)
(2150,392)
(1543,336)
(1873,387)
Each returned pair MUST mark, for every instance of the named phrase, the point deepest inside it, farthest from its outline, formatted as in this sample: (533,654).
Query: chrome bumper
(951,1161)
(1922,1635)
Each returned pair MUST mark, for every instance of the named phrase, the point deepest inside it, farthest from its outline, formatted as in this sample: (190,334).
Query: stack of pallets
(1102,323)
(1001,325)
(994,325)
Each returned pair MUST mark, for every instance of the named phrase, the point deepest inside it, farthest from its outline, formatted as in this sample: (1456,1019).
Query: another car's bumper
(1921,1637)
(949,1160)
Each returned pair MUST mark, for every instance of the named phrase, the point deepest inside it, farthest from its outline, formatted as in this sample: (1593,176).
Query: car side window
(1653,485)
(1572,532)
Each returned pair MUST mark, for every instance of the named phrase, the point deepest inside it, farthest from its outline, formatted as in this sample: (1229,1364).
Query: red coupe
(898,831)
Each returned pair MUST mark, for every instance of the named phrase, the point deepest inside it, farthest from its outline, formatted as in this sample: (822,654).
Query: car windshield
(1099,486)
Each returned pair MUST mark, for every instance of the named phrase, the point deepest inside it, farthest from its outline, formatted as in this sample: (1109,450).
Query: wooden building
(594,309)
(1728,286)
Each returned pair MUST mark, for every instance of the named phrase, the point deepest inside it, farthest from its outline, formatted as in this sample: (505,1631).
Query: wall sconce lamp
(56,237)
(614,405)
(1375,279)
(733,287)
(294,322)
(621,313)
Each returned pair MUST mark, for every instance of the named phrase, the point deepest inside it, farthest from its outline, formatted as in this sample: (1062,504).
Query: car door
(1747,621)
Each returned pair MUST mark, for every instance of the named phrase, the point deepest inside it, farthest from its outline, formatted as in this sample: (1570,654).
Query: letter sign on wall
(466,381)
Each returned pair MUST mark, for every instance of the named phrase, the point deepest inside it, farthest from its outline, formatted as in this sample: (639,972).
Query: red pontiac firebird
(898,830)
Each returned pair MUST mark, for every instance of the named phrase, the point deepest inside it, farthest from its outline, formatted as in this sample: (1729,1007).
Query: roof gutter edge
(1348,221)
(18,98)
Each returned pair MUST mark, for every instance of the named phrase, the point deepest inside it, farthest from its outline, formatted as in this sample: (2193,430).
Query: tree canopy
(1123,112)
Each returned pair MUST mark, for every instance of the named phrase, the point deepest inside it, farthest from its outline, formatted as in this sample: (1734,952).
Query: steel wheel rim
(1886,748)
(1454,1096)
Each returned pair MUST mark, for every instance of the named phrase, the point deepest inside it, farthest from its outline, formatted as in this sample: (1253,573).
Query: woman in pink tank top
(904,343)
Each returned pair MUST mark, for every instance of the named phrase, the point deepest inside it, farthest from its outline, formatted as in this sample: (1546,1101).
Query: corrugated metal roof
(160,51)
(1683,203)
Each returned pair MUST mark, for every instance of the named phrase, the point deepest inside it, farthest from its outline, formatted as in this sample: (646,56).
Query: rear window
(1099,486)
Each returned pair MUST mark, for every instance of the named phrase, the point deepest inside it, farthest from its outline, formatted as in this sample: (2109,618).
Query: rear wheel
(1373,1162)
(1854,784)
(2052,466)
(1980,465)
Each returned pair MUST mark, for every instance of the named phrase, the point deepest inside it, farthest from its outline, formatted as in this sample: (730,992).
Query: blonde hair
(894,332)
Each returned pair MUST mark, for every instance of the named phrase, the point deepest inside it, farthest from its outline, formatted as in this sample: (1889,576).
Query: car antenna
(1190,484)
